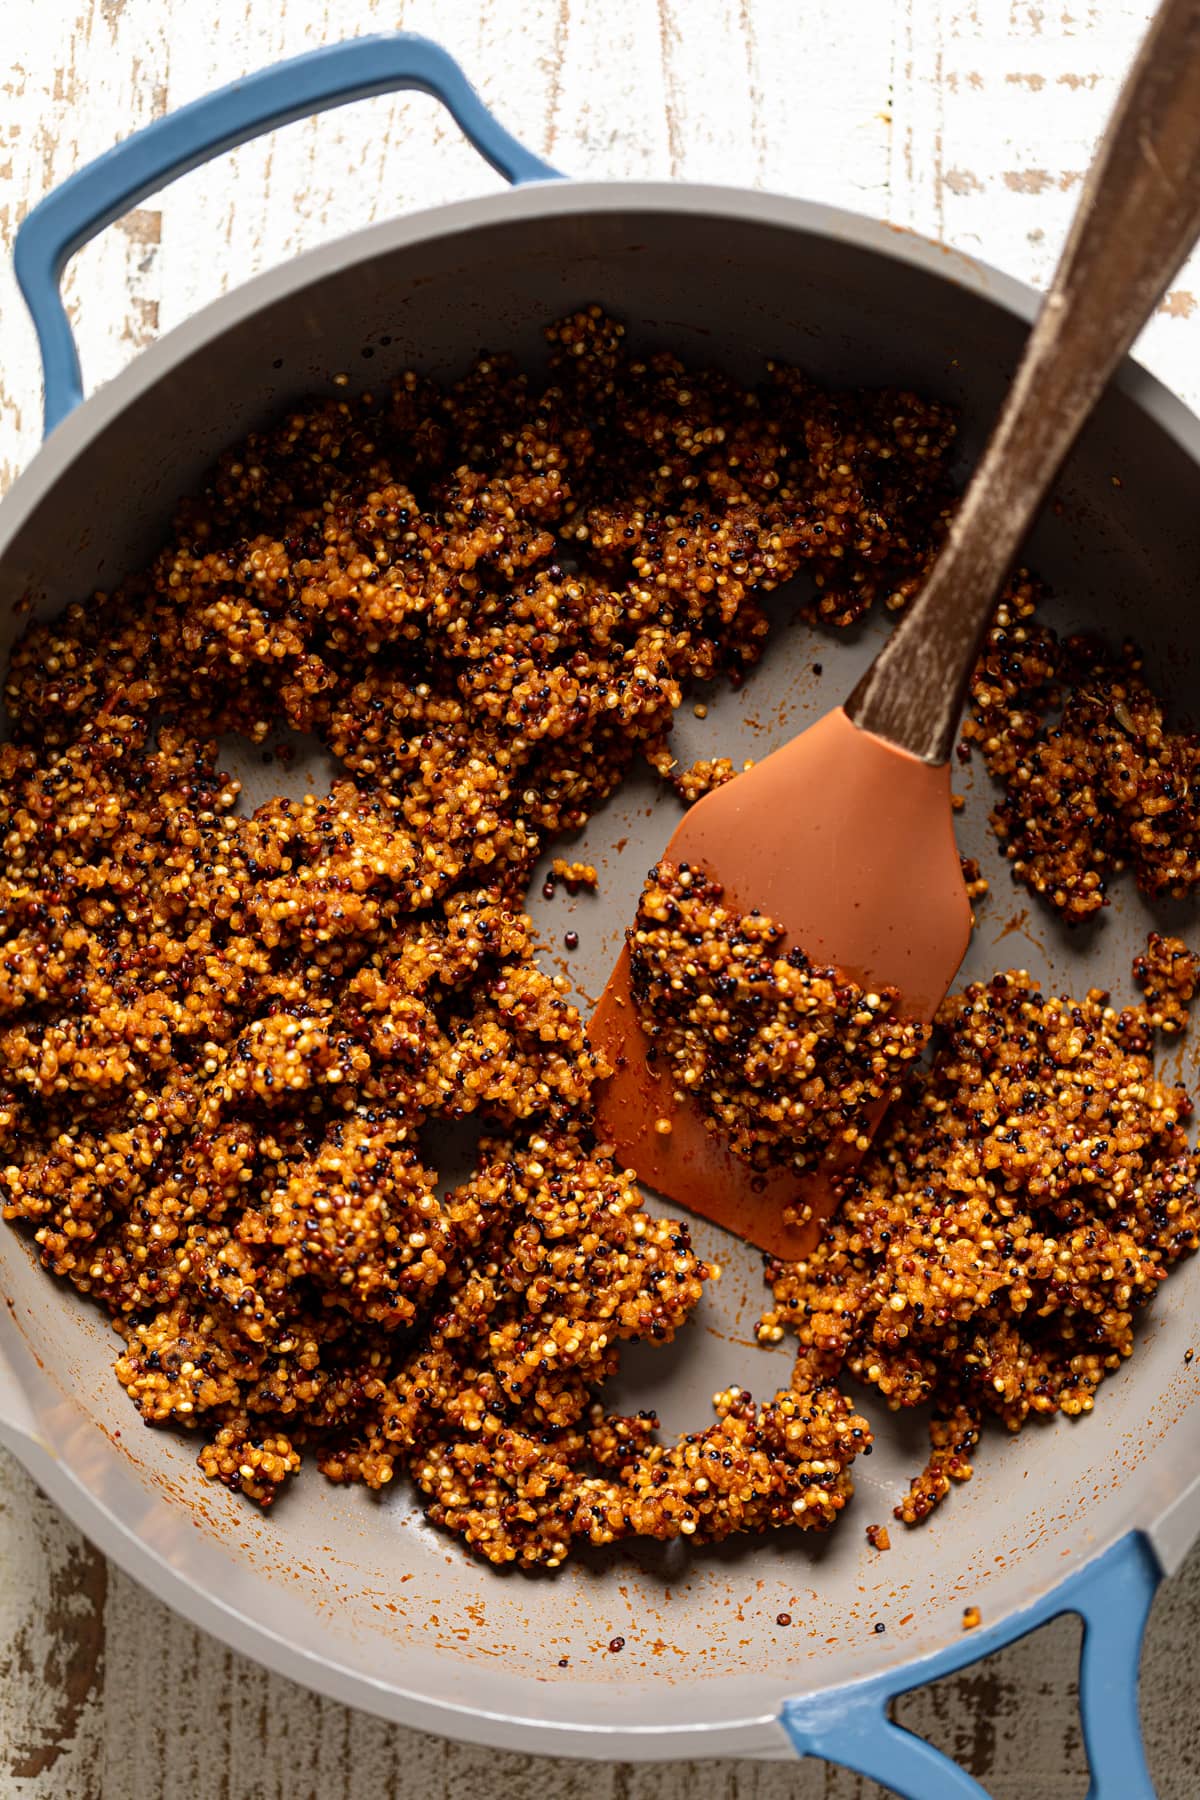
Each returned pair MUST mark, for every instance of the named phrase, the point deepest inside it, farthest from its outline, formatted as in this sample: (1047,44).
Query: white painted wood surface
(966,119)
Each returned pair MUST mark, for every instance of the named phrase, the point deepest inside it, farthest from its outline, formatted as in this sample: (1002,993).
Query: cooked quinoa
(574,874)
(223,1038)
(704,776)
(787,1060)
(1006,1226)
(1094,780)
(231,1046)
(974,880)
(1167,973)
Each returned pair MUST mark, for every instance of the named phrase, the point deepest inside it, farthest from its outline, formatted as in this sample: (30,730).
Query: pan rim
(547,200)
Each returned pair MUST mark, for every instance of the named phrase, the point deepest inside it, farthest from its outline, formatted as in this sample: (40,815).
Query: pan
(363,1600)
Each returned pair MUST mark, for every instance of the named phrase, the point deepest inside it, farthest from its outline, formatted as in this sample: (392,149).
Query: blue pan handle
(1112,1596)
(91,199)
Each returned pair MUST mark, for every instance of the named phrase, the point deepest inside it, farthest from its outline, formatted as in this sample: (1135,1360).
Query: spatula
(844,837)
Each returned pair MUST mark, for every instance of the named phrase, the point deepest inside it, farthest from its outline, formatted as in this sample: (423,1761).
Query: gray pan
(358,1596)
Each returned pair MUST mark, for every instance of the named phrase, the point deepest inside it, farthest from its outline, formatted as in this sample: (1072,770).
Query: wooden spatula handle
(1137,218)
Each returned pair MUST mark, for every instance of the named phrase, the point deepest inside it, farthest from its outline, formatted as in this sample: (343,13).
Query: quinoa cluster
(1167,973)
(224,1039)
(704,776)
(574,873)
(1094,781)
(493,1412)
(788,1061)
(1006,1226)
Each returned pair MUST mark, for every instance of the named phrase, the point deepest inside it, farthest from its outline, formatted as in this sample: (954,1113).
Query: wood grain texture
(967,119)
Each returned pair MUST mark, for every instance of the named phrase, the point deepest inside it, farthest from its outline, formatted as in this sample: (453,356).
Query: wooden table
(971,122)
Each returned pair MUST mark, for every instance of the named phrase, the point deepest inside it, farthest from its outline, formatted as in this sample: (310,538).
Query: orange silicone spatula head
(847,843)
(844,836)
